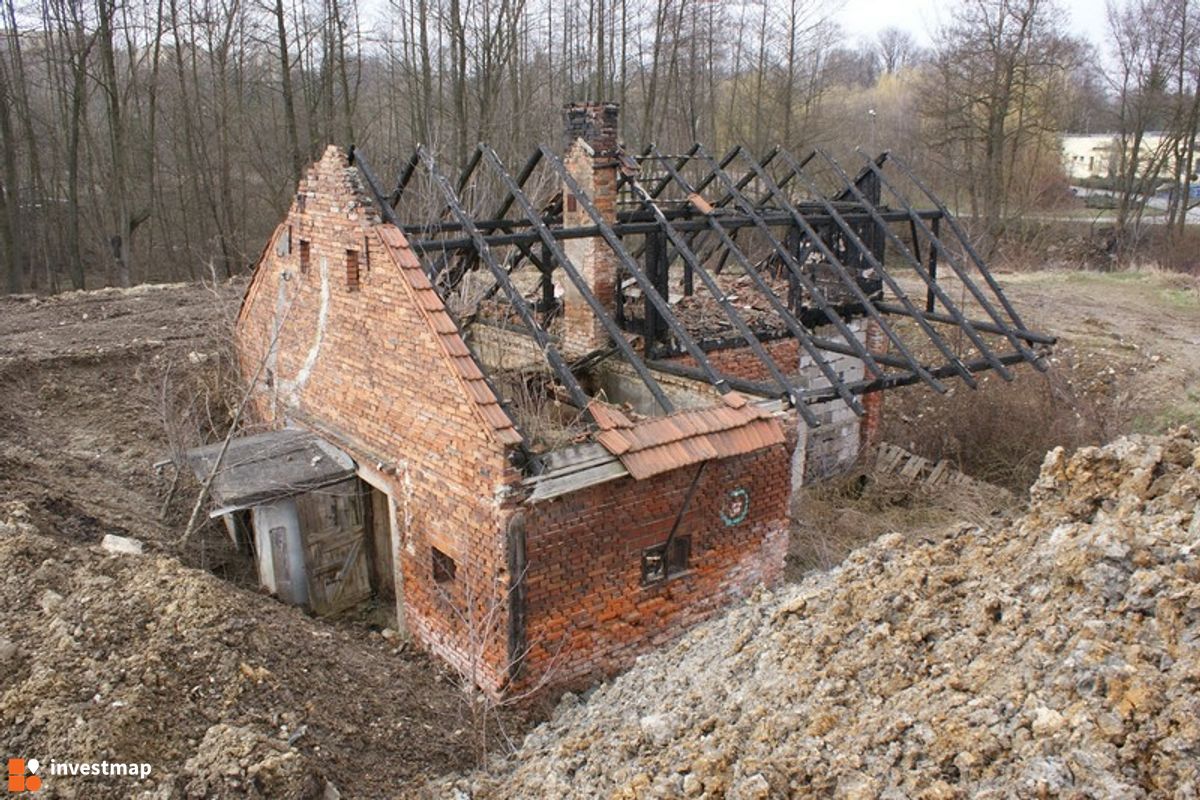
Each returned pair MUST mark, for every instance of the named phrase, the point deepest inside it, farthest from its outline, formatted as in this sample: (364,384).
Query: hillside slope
(224,692)
(1056,657)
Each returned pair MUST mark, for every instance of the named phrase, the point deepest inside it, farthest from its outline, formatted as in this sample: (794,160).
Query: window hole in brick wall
(444,568)
(658,564)
(352,270)
(305,256)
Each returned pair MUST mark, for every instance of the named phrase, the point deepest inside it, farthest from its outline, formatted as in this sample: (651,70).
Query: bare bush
(832,518)
(1000,433)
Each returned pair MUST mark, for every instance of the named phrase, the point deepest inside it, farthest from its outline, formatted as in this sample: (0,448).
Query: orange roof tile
(660,444)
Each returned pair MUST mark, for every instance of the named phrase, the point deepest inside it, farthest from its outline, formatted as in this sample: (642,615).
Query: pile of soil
(1057,655)
(86,379)
(225,693)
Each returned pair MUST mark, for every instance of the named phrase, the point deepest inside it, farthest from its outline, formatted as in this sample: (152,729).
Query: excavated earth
(225,692)
(1054,656)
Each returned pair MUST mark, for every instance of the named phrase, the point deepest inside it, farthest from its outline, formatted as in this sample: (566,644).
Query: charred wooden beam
(560,257)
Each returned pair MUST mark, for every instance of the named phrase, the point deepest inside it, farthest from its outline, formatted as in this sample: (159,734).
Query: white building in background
(1094,155)
(1089,155)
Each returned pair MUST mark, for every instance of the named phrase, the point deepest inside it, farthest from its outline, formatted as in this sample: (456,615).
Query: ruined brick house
(558,414)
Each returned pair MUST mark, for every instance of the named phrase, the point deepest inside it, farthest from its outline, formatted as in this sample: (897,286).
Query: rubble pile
(1054,656)
(123,657)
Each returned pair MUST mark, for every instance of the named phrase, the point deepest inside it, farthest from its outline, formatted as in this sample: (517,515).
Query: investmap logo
(25,774)
(22,775)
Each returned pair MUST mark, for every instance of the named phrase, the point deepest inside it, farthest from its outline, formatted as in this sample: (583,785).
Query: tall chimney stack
(591,159)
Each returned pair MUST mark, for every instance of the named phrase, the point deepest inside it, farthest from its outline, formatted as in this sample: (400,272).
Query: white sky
(920,17)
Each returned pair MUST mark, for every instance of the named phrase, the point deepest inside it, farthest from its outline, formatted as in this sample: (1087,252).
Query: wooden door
(379,536)
(332,524)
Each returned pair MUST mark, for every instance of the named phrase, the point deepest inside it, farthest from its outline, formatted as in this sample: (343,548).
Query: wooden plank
(565,484)
(333,527)
(574,455)
(266,466)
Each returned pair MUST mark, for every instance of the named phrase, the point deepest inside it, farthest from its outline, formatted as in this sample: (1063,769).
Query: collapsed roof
(712,253)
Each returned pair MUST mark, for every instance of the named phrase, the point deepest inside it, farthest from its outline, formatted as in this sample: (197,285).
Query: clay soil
(224,691)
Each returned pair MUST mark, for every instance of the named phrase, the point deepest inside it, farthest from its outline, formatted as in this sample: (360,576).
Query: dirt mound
(1057,656)
(87,379)
(223,692)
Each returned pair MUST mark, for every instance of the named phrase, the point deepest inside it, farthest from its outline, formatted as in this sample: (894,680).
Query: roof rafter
(830,248)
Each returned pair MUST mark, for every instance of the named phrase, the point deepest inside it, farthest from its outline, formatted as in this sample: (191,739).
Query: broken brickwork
(573,475)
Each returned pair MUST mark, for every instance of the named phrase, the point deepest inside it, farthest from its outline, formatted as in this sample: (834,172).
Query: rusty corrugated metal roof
(661,444)
(456,350)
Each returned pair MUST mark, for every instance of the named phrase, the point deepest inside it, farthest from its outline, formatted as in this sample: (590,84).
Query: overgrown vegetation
(1000,432)
(833,518)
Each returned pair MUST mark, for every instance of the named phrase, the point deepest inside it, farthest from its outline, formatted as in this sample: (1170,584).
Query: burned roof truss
(713,253)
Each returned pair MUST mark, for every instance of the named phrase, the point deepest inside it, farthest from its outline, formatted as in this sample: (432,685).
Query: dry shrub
(1172,249)
(1092,243)
(832,518)
(198,391)
(1001,432)
(532,395)
(1033,244)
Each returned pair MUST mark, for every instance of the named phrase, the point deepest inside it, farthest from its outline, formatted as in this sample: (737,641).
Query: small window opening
(658,564)
(444,567)
(352,270)
(305,256)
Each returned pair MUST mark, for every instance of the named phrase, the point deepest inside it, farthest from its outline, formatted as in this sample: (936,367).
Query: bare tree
(1155,46)
(996,78)
(896,48)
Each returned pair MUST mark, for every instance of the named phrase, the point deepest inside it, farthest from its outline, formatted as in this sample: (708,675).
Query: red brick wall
(588,612)
(359,364)
(595,260)
(740,362)
(379,385)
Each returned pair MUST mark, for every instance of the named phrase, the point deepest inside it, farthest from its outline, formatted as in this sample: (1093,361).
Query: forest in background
(150,140)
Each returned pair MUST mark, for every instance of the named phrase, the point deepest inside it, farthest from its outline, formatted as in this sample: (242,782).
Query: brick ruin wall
(588,612)
(356,362)
(836,445)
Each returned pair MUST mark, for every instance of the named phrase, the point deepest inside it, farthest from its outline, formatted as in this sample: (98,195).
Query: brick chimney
(591,159)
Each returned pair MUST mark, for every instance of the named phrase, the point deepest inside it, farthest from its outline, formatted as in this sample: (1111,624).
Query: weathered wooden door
(332,523)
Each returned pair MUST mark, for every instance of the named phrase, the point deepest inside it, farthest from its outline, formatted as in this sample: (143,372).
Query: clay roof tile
(495,416)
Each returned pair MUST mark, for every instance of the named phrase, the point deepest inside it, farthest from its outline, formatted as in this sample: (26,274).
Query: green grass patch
(1185,412)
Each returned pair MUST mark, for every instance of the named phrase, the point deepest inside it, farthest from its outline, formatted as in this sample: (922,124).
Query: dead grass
(832,518)
(1000,432)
